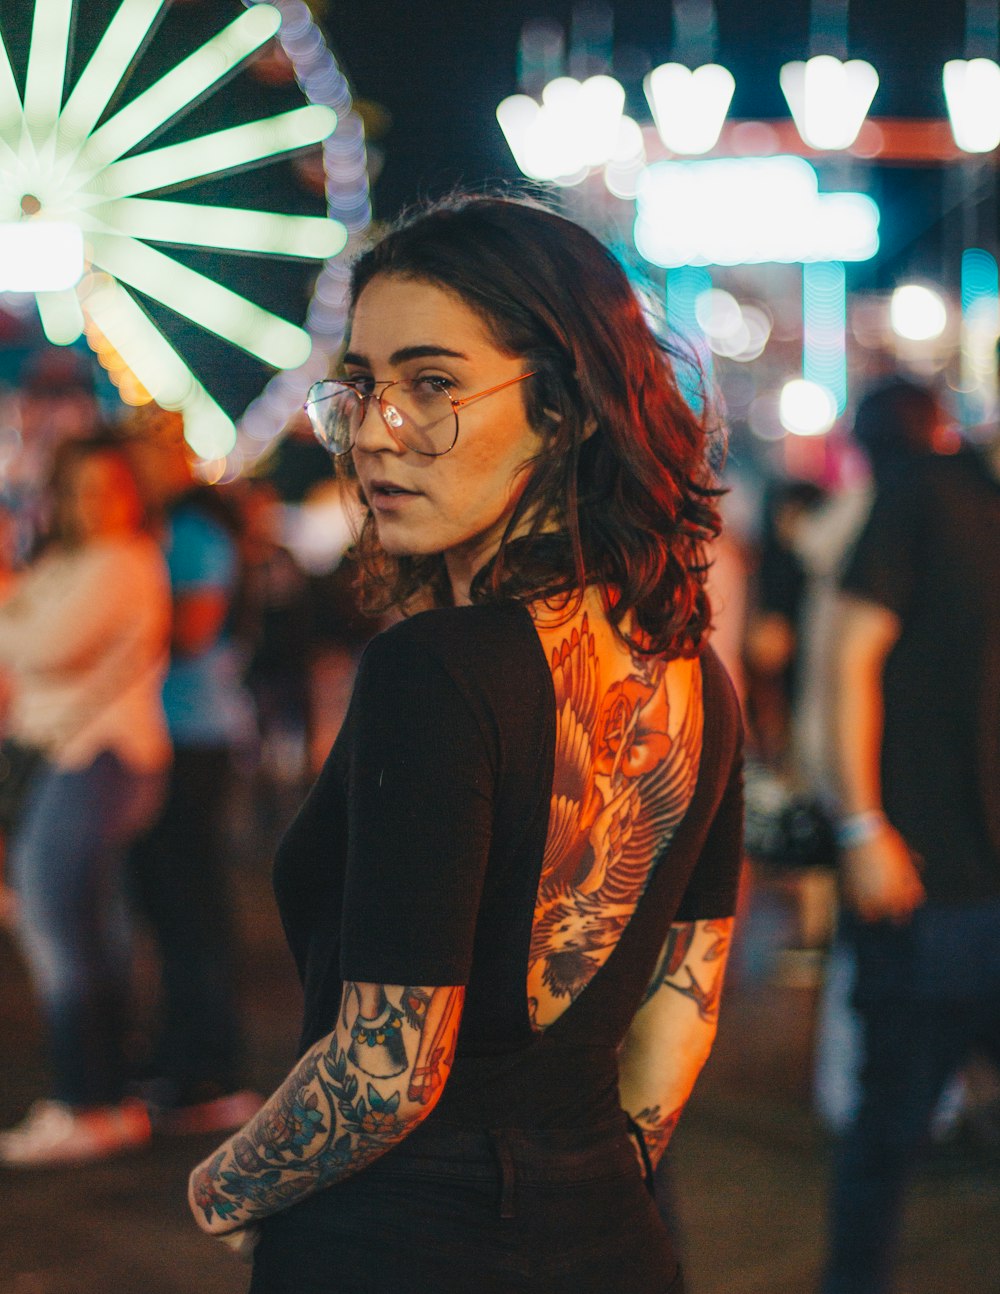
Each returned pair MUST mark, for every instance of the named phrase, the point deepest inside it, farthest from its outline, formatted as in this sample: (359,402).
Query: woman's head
(94,493)
(593,468)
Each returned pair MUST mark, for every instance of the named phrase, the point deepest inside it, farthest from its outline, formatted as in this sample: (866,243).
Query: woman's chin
(396,545)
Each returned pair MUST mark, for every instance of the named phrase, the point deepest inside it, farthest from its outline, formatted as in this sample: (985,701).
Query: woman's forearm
(353,1096)
(673,1031)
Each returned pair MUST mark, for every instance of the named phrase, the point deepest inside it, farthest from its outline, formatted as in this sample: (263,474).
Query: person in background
(179,868)
(84,638)
(275,632)
(510,891)
(918,736)
(897,422)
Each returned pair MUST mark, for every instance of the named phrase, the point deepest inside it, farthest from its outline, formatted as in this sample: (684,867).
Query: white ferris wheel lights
(37,256)
(61,316)
(179,88)
(207,429)
(217,151)
(43,87)
(62,172)
(114,55)
(828,99)
(231,228)
(972,91)
(209,304)
(689,106)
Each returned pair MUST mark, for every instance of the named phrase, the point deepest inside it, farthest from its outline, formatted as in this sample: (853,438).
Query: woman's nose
(378,428)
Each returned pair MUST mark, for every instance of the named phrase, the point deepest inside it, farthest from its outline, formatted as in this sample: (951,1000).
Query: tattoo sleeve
(353,1096)
(671,1036)
(694,970)
(657,1129)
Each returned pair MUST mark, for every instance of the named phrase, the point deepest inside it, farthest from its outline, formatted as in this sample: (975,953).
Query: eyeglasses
(422,416)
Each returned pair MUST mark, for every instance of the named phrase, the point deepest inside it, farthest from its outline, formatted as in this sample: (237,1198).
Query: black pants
(447,1211)
(928,996)
(178,878)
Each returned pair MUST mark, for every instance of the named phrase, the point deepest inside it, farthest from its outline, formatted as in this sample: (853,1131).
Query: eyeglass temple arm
(459,404)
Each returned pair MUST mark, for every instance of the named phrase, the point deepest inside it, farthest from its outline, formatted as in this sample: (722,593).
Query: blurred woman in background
(84,637)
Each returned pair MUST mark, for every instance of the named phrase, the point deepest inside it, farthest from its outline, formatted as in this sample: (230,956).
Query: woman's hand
(242,1242)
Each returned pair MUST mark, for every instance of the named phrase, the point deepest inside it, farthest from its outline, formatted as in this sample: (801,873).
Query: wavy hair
(624,468)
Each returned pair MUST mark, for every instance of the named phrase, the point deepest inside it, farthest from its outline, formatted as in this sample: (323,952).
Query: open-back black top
(416,860)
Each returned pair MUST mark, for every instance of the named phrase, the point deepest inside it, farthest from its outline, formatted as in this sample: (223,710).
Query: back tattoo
(626,762)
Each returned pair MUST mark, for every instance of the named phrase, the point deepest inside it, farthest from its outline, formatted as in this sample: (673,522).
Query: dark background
(429,77)
(439,69)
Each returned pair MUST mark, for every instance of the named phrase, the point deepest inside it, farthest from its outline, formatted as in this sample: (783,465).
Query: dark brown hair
(624,466)
(69,456)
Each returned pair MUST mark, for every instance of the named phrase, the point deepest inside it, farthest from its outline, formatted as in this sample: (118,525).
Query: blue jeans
(928,995)
(66,861)
(178,880)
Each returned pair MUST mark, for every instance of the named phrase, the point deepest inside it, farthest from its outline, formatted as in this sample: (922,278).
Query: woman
(84,635)
(509,893)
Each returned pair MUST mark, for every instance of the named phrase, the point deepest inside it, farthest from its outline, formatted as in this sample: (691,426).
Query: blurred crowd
(161,652)
(166,642)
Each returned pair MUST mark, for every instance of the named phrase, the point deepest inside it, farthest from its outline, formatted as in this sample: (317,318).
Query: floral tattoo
(350,1099)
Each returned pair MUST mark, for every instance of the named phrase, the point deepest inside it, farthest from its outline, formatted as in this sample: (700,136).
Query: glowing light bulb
(689,107)
(576,127)
(972,91)
(828,99)
(917,313)
(806,408)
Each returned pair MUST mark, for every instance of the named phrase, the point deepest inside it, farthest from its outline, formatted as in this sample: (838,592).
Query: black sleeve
(885,562)
(713,888)
(420,813)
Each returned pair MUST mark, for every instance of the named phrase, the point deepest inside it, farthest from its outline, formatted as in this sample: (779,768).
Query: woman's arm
(352,1096)
(60,627)
(673,1031)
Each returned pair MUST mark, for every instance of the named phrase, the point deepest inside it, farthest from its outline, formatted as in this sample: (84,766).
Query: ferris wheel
(85,226)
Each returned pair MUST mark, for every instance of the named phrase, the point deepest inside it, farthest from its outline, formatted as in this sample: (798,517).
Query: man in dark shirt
(918,718)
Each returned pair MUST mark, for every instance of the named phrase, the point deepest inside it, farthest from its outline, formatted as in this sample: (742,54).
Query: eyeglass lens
(418,413)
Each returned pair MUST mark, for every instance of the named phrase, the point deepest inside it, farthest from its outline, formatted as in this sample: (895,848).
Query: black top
(416,857)
(930,552)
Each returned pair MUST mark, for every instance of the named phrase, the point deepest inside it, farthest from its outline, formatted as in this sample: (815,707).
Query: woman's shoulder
(464,638)
(485,658)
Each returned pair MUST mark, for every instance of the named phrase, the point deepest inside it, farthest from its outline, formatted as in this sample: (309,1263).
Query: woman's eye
(363,383)
(432,383)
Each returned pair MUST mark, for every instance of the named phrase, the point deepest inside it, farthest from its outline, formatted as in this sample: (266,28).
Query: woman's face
(457,504)
(102,499)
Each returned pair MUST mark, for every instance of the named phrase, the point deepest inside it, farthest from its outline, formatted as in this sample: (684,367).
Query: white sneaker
(53,1133)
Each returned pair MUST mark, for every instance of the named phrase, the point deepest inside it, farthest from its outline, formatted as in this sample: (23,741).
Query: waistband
(512,1155)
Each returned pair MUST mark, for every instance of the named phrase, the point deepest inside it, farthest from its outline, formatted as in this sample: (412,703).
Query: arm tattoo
(656,1129)
(351,1098)
(703,983)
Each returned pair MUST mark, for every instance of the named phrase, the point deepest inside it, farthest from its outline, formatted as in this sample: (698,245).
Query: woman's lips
(385,497)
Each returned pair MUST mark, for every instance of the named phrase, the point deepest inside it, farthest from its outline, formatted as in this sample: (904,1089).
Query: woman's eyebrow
(406,353)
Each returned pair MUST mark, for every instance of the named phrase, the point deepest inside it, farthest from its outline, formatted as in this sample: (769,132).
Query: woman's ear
(554,419)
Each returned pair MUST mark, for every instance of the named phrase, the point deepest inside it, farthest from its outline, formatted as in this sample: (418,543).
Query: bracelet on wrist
(859,828)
